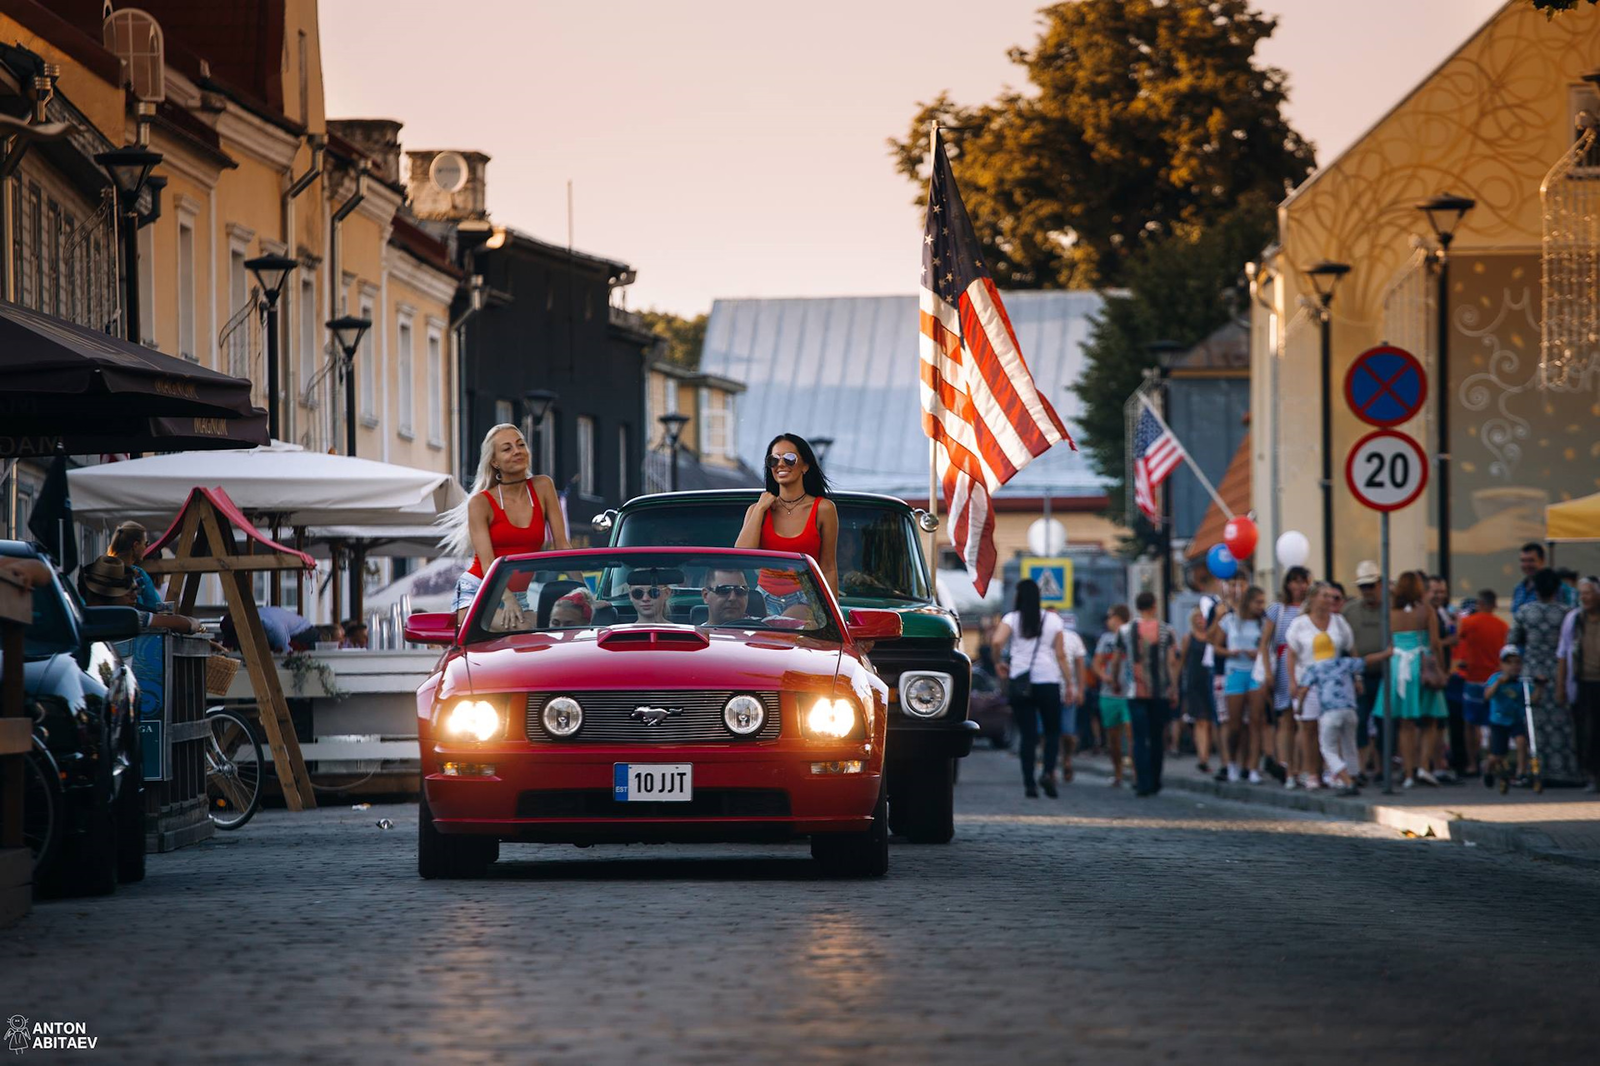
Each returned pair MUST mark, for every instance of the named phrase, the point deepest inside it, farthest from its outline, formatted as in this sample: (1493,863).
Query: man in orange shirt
(1477,657)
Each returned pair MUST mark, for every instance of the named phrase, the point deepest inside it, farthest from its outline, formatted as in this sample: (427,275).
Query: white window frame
(185,264)
(716,418)
(405,341)
(367,367)
(622,463)
(504,413)
(310,337)
(438,384)
(585,435)
(238,353)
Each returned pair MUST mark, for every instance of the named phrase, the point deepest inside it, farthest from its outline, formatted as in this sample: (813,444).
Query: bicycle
(234,765)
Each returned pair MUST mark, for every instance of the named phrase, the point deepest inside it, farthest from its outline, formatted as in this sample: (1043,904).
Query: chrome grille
(607,717)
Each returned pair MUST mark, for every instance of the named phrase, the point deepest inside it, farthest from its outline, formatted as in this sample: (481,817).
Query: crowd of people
(1295,689)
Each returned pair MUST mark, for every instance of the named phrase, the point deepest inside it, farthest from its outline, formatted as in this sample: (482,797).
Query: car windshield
(607,587)
(51,631)
(878,556)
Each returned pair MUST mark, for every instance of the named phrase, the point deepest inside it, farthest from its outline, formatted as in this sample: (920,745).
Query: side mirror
(603,521)
(865,624)
(431,628)
(110,623)
(927,521)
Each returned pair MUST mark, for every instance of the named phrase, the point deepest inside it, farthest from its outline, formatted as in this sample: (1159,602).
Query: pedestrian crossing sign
(1054,576)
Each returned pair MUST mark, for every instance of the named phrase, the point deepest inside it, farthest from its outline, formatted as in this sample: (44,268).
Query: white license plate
(656,782)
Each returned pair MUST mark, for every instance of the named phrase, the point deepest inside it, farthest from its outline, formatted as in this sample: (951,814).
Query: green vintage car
(880,565)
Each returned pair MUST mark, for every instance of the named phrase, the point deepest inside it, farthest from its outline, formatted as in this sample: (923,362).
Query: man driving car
(727,596)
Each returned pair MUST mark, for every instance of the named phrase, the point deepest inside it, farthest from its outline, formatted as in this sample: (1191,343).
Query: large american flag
(1155,452)
(980,407)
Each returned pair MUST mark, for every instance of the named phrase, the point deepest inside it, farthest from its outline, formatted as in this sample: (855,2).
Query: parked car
(990,709)
(86,753)
(881,567)
(651,708)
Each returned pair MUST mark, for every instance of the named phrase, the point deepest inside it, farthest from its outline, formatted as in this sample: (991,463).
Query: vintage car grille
(607,717)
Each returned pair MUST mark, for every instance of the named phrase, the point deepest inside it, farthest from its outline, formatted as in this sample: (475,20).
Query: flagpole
(1187,458)
(933,447)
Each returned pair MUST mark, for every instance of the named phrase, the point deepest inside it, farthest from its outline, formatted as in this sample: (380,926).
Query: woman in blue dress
(1419,709)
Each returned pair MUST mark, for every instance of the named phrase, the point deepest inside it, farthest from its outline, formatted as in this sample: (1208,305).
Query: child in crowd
(1334,681)
(1503,694)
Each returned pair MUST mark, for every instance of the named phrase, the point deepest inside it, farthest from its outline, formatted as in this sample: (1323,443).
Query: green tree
(684,336)
(1147,117)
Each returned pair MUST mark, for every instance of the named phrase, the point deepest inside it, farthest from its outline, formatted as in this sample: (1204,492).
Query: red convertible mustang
(653,695)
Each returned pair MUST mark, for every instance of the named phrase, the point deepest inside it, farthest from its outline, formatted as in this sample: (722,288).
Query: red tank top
(807,542)
(509,539)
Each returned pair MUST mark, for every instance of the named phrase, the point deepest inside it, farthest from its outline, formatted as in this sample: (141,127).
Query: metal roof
(847,367)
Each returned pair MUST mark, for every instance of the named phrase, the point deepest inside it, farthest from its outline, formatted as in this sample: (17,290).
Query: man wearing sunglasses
(727,596)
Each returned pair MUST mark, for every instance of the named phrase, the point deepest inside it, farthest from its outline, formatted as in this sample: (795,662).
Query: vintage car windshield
(611,588)
(877,554)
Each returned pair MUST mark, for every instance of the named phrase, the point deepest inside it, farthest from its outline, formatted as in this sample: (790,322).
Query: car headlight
(473,720)
(744,715)
(562,716)
(925,694)
(834,718)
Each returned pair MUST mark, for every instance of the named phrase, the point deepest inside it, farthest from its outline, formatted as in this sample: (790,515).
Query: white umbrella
(283,485)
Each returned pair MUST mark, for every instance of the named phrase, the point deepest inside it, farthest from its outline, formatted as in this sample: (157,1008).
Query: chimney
(377,138)
(447,185)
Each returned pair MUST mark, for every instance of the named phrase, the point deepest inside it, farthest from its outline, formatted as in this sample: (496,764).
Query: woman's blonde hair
(454,538)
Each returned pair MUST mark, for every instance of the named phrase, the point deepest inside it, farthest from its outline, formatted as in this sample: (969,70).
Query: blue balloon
(1221,563)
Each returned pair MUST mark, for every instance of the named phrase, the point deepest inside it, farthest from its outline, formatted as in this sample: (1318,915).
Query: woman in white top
(1032,656)
(1318,634)
(1237,637)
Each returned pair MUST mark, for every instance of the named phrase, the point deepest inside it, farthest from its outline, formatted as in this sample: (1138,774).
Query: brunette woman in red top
(793,515)
(506,514)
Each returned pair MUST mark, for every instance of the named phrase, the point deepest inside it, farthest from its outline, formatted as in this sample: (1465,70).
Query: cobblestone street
(1096,928)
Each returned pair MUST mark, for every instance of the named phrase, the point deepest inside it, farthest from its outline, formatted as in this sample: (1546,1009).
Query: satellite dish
(448,171)
(135,37)
(1053,544)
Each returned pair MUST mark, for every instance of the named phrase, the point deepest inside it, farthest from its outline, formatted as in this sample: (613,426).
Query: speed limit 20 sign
(1386,470)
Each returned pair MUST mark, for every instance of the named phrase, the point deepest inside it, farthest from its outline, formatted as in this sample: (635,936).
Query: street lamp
(536,403)
(1166,354)
(347,333)
(1444,214)
(1325,277)
(673,424)
(129,167)
(271,272)
(820,446)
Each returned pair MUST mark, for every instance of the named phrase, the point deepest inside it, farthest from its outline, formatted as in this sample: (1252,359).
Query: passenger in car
(650,591)
(573,610)
(727,596)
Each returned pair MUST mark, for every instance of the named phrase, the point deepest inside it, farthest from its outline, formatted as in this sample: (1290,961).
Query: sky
(729,148)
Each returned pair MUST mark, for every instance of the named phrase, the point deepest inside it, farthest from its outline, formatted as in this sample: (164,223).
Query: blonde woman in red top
(794,514)
(506,513)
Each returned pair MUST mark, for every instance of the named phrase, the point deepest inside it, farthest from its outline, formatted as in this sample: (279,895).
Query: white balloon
(1047,542)
(1293,549)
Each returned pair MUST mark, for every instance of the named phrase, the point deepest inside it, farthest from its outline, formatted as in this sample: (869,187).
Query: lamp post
(347,332)
(129,168)
(271,272)
(820,446)
(1444,213)
(1166,353)
(673,424)
(1325,277)
(536,403)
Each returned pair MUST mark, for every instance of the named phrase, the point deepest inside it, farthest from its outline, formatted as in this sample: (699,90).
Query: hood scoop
(637,639)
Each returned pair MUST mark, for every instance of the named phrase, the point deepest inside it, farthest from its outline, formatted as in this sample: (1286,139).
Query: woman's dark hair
(1028,614)
(814,482)
(1545,583)
(1295,573)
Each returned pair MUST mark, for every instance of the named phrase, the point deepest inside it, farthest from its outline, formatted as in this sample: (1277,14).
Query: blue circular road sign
(1386,386)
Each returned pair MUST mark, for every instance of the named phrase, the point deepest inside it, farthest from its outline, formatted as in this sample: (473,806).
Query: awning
(1573,520)
(28,437)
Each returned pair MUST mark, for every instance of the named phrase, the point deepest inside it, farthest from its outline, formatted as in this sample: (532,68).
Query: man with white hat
(1365,615)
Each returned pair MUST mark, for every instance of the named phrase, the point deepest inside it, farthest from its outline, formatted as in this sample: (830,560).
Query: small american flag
(980,407)
(1156,451)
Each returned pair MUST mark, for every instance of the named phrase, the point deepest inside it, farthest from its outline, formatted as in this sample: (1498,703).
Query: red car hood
(592,659)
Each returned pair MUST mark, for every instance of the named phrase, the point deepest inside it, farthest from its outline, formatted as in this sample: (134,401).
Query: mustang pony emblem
(655,715)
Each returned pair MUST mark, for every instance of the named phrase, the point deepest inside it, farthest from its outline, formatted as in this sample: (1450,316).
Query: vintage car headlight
(925,694)
(834,718)
(473,720)
(744,715)
(562,716)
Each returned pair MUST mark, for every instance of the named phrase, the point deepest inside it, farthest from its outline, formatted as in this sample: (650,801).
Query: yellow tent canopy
(1573,520)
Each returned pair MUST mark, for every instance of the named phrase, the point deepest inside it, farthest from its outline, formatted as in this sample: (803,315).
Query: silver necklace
(790,506)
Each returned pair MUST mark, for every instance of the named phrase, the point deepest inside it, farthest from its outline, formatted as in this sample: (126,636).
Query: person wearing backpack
(1148,650)
(1033,661)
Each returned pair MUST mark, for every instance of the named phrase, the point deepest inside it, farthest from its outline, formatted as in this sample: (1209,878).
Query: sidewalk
(1562,824)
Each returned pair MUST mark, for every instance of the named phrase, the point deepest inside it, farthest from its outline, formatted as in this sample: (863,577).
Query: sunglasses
(731,590)
(655,592)
(787,459)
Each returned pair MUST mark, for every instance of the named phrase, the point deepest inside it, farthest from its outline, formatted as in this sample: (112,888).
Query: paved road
(1096,928)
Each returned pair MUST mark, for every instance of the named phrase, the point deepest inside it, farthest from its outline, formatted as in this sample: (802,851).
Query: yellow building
(1490,125)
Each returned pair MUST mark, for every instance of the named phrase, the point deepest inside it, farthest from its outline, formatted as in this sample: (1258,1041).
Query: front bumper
(562,793)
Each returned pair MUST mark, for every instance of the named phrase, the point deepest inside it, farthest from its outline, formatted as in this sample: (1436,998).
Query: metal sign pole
(1388,673)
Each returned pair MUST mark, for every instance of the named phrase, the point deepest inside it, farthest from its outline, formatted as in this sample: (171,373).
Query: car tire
(857,854)
(444,856)
(130,816)
(929,792)
(44,822)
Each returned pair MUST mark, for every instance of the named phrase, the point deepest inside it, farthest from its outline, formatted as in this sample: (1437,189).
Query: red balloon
(1240,535)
